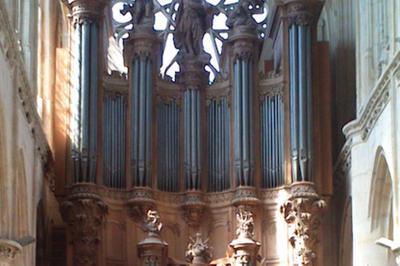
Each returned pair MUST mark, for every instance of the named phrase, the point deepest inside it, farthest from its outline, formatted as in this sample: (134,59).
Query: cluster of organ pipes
(272,132)
(168,146)
(192,147)
(218,121)
(114,139)
(300,102)
(141,81)
(243,121)
(84,102)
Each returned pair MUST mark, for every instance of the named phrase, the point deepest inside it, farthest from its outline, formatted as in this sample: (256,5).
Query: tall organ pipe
(168,147)
(243,87)
(300,102)
(192,139)
(218,145)
(84,106)
(114,140)
(141,102)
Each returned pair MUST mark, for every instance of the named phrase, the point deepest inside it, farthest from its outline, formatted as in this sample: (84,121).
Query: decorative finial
(152,223)
(245,224)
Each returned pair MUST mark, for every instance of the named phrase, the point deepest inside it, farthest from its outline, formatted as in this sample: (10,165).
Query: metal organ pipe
(141,102)
(168,146)
(243,117)
(218,144)
(114,140)
(300,102)
(84,101)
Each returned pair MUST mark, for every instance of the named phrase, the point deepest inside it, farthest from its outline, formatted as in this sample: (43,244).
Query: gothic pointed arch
(381,205)
(380,202)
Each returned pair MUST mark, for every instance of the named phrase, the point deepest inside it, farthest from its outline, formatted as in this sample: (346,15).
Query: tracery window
(165,23)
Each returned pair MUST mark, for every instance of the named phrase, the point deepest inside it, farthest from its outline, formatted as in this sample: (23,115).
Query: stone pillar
(87,18)
(198,253)
(153,251)
(302,211)
(245,248)
(84,212)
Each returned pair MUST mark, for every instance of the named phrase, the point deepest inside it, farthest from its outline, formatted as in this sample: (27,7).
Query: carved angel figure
(245,224)
(241,16)
(141,12)
(193,19)
(152,223)
(198,248)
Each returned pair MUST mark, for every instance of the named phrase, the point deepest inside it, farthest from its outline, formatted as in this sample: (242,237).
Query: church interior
(199,132)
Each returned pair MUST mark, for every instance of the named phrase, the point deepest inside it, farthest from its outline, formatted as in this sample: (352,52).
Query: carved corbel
(302,211)
(140,202)
(193,208)
(85,217)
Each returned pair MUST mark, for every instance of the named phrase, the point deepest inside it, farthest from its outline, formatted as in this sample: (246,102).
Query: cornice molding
(120,197)
(362,127)
(10,47)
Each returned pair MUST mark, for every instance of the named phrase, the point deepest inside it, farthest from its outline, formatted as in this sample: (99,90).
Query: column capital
(86,10)
(141,43)
(302,211)
(303,12)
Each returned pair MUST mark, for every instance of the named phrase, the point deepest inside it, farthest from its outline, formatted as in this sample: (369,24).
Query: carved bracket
(84,216)
(140,202)
(193,208)
(302,212)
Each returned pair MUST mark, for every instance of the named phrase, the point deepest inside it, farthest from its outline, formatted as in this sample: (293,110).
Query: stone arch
(381,207)
(380,201)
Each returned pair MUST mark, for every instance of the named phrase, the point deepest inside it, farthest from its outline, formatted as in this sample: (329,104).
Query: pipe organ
(199,152)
